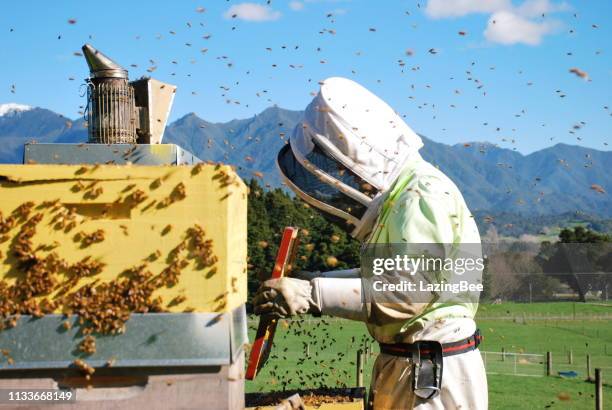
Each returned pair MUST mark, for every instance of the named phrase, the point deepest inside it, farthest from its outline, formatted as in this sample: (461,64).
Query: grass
(332,345)
(515,392)
(568,309)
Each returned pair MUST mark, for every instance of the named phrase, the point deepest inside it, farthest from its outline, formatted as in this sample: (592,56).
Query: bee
(331,261)
(81,171)
(88,345)
(128,188)
(91,238)
(93,194)
(84,367)
(178,194)
(154,256)
(177,300)
(137,196)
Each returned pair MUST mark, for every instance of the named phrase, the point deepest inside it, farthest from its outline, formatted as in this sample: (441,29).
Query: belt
(448,349)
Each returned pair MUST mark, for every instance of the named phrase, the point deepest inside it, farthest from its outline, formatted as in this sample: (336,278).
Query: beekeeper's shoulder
(428,182)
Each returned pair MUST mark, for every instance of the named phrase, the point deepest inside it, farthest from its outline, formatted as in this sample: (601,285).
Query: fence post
(588,367)
(549,363)
(503,354)
(570,356)
(359,368)
(598,390)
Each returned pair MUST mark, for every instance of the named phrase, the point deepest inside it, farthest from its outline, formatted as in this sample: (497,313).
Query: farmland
(322,352)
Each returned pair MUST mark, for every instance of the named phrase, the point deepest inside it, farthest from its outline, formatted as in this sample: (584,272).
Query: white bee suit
(355,160)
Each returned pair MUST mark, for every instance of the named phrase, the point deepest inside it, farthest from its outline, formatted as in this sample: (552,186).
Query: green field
(314,353)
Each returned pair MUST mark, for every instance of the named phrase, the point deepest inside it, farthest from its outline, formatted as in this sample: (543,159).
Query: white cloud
(506,27)
(508,24)
(252,12)
(535,8)
(460,8)
(296,5)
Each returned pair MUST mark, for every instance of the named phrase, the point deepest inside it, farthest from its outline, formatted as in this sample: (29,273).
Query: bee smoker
(123,112)
(111,107)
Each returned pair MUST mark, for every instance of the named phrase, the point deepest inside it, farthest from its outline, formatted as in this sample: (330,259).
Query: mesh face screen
(314,187)
(320,159)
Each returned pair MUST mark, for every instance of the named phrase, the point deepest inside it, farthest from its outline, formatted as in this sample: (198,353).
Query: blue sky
(497,71)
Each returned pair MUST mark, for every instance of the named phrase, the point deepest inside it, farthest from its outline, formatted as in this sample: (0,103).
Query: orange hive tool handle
(267,326)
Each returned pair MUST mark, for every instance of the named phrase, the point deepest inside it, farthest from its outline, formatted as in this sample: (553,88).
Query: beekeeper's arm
(417,216)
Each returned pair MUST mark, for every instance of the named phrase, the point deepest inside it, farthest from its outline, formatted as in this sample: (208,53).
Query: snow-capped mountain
(12,108)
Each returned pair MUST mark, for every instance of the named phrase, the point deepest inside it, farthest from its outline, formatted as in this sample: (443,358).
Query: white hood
(348,128)
(360,130)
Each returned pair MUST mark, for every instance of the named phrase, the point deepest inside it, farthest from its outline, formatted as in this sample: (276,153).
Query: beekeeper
(357,162)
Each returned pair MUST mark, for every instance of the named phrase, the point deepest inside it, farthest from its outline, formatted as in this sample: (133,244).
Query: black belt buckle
(427,369)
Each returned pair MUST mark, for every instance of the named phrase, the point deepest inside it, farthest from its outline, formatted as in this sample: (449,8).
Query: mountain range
(557,180)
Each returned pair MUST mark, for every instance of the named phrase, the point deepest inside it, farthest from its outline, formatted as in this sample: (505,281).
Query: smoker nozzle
(101,66)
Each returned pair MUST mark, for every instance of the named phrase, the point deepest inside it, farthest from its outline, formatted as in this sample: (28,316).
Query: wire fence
(535,317)
(340,337)
(517,364)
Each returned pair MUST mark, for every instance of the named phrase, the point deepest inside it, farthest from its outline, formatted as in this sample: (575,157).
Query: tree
(323,246)
(582,259)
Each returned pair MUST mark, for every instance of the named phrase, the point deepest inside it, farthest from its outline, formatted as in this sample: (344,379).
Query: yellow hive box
(125,216)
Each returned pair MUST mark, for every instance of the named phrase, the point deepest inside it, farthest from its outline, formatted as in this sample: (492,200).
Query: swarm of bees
(201,248)
(100,307)
(64,218)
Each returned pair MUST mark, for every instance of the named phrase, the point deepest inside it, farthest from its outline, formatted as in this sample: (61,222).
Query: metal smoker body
(120,111)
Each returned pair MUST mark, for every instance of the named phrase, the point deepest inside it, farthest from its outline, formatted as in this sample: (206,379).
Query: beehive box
(177,232)
(124,217)
(314,399)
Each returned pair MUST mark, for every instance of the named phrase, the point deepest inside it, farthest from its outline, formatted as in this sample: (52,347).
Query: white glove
(284,297)
(340,297)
